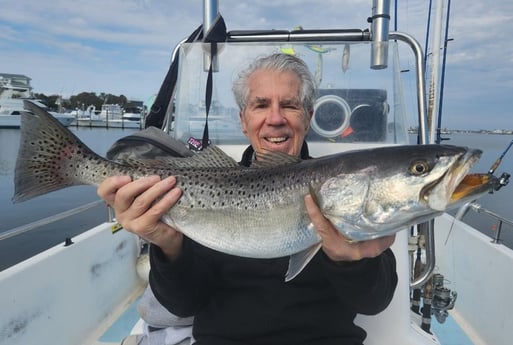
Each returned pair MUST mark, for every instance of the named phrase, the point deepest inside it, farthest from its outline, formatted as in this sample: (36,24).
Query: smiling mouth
(276,140)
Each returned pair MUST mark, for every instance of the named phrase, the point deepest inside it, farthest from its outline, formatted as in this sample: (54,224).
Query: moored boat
(12,108)
(110,116)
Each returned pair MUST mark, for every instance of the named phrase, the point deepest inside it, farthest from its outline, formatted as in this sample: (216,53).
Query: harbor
(16,89)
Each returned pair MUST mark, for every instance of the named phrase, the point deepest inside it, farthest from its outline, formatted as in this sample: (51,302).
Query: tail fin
(48,156)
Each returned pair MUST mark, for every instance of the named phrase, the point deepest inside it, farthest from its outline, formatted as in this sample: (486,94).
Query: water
(499,202)
(15,249)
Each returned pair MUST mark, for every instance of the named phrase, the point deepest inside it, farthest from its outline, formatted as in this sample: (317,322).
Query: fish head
(441,194)
(391,188)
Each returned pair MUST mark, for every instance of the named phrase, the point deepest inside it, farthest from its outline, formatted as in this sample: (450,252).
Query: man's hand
(139,206)
(336,246)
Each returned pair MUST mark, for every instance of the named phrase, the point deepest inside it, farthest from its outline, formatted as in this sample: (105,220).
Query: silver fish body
(259,212)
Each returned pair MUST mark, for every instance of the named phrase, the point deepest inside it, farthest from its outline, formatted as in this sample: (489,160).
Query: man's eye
(291,105)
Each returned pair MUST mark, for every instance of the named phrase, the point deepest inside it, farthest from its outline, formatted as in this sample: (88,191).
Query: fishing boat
(12,108)
(14,86)
(86,290)
(110,116)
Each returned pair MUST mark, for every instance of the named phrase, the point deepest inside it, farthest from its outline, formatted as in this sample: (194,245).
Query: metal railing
(48,220)
(500,219)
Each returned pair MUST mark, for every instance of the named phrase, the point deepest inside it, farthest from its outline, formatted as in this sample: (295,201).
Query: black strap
(208,95)
(376,16)
(216,33)
(158,110)
(157,114)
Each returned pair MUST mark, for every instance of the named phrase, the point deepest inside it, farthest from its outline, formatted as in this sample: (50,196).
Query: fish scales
(247,212)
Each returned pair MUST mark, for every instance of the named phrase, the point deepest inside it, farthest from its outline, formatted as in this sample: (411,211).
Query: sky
(124,46)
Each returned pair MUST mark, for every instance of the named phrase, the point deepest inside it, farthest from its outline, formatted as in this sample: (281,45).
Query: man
(238,300)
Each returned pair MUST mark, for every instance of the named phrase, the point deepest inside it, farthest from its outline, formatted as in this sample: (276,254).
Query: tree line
(82,100)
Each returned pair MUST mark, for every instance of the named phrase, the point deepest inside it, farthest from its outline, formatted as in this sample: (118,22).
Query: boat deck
(448,333)
(121,327)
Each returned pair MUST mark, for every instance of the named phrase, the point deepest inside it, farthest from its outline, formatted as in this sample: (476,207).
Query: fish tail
(50,157)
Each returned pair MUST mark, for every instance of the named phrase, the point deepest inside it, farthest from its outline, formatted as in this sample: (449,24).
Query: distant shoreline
(469,131)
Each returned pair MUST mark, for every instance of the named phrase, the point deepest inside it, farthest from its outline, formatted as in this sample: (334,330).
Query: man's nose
(276,115)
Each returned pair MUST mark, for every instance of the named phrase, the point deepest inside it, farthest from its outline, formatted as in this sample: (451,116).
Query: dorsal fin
(269,159)
(211,157)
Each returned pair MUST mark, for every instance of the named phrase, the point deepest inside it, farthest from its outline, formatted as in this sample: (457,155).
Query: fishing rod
(501,181)
(499,160)
(442,77)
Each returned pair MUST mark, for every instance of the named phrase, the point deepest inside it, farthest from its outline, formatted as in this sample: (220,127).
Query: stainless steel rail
(500,220)
(45,221)
(298,35)
(428,227)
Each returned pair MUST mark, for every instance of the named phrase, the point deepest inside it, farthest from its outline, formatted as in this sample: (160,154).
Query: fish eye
(419,168)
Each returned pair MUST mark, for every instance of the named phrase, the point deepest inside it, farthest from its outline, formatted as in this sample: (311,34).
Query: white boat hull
(70,295)
(14,121)
(480,272)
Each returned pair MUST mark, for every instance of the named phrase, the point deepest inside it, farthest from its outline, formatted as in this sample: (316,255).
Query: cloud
(124,46)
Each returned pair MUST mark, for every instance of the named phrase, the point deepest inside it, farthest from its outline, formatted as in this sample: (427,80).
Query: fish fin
(298,261)
(271,159)
(211,157)
(312,193)
(46,149)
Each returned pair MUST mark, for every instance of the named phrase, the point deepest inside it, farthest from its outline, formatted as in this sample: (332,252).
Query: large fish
(259,212)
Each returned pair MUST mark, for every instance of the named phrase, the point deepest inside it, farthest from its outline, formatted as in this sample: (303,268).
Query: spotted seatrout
(259,212)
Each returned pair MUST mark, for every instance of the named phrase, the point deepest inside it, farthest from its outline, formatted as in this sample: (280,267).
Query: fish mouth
(473,185)
(457,186)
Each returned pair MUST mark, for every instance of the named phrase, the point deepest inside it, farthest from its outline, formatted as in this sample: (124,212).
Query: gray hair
(277,62)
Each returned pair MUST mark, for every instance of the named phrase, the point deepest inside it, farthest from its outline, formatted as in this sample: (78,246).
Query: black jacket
(239,300)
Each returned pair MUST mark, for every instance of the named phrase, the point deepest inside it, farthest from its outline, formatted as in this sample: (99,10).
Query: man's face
(274,118)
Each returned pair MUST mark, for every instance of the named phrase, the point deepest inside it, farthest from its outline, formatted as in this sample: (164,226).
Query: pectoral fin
(299,261)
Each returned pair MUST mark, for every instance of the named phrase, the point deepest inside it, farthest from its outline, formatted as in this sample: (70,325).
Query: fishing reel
(443,298)
(498,182)
(503,180)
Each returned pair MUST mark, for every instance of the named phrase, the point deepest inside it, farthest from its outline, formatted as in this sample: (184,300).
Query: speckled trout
(259,212)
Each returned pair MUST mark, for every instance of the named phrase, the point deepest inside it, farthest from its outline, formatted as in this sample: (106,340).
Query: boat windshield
(355,103)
